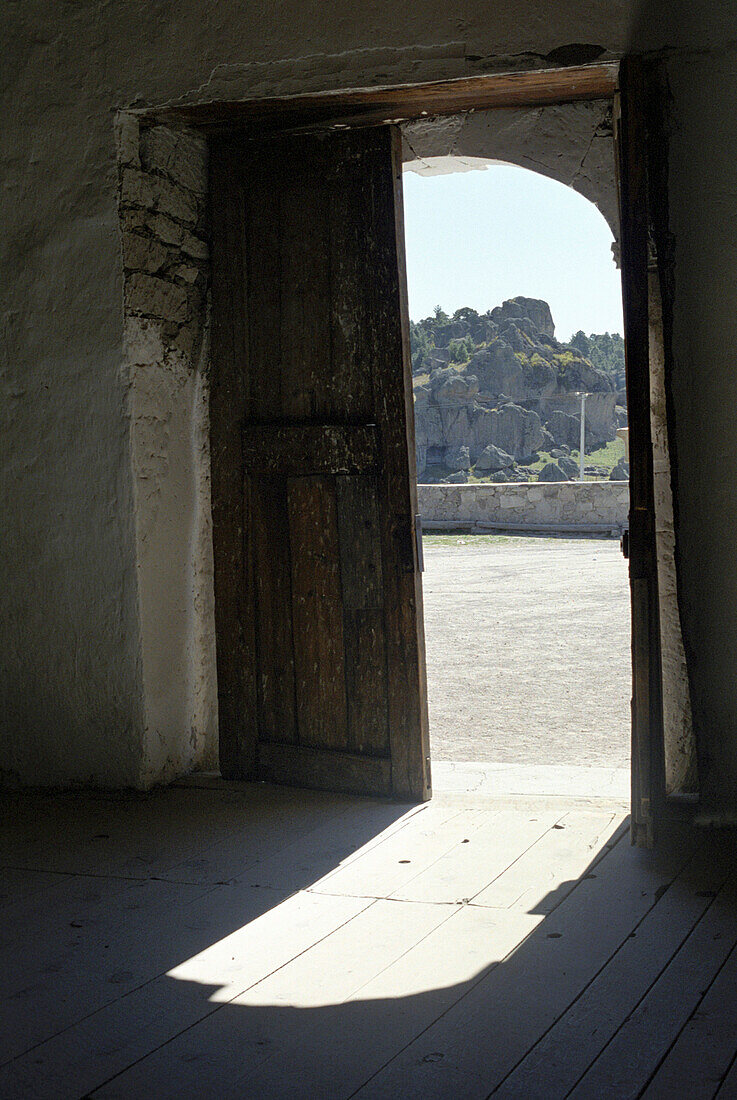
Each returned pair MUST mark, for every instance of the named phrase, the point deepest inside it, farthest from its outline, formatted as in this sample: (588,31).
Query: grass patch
(608,455)
(467,539)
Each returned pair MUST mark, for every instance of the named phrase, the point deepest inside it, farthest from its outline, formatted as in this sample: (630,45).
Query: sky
(477,238)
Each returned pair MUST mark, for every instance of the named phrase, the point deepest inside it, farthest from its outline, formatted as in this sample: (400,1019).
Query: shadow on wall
(465,987)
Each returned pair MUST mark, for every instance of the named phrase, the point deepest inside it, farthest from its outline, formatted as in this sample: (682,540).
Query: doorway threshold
(547,781)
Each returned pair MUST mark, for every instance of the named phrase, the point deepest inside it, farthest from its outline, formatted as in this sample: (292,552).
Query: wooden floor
(261,942)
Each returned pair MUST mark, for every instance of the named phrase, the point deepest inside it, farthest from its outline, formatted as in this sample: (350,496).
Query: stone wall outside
(565,502)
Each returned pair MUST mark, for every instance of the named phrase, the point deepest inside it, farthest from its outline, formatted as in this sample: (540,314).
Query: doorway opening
(527,617)
(493,378)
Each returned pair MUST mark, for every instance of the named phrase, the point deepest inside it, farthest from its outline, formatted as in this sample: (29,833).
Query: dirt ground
(527,650)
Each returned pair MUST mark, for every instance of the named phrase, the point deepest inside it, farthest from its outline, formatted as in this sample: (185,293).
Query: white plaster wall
(163,198)
(679,746)
(703,190)
(557,502)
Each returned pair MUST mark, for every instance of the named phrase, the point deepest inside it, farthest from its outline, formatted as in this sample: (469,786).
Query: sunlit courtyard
(528,650)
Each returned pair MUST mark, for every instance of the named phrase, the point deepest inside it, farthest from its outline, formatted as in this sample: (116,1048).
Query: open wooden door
(320,646)
(638,288)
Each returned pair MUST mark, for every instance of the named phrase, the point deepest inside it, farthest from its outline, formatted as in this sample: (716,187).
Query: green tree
(460,350)
(465,313)
(581,342)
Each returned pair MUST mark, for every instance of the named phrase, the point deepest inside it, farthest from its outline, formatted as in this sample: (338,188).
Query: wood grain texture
(261,295)
(360,548)
(408,720)
(269,535)
(317,611)
(366,681)
(304,449)
(363,614)
(350,322)
(648,772)
(234,620)
(376,105)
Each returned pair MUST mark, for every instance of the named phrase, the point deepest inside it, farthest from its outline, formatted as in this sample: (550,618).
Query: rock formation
(492,391)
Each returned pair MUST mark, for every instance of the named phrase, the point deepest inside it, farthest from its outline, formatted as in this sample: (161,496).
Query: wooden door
(320,646)
(648,774)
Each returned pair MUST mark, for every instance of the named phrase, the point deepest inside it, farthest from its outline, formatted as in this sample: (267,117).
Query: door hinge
(418,543)
(624,543)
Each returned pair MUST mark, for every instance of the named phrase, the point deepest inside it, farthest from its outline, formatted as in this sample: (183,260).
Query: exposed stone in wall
(601,503)
(164,238)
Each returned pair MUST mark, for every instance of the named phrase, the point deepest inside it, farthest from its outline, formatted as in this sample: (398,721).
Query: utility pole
(582,445)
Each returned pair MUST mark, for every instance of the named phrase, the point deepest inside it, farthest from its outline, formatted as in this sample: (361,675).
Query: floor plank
(115,943)
(473,863)
(18,886)
(625,1066)
(247,940)
(386,1013)
(400,858)
(543,875)
(703,1052)
(333,843)
(468,1051)
(558,1061)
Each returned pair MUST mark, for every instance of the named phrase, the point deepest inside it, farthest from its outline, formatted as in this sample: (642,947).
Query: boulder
(455,479)
(621,471)
(454,330)
(437,358)
(513,333)
(620,416)
(569,466)
(552,472)
(540,377)
(454,426)
(548,443)
(457,458)
(493,458)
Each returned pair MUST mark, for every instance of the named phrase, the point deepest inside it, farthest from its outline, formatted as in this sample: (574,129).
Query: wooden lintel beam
(373,106)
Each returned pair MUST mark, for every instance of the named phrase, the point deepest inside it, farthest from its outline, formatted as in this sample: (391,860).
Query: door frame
(622,85)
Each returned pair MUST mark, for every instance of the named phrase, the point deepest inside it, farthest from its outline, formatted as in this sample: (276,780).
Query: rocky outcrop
(500,383)
(552,472)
